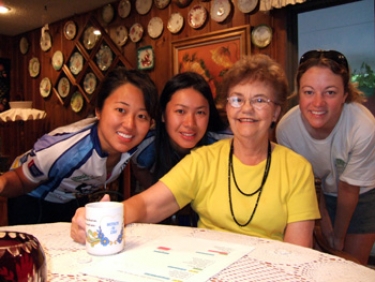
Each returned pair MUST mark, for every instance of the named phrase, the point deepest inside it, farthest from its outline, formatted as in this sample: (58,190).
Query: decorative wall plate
(90,38)
(197,16)
(70,30)
(57,60)
(121,35)
(136,32)
(63,87)
(34,67)
(161,4)
(76,102)
(45,41)
(246,6)
(155,27)
(89,83)
(145,58)
(24,45)
(261,35)
(108,13)
(76,63)
(182,3)
(220,10)
(124,8)
(143,6)
(45,87)
(104,57)
(175,22)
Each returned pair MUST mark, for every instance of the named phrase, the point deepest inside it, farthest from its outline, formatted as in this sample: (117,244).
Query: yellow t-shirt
(288,194)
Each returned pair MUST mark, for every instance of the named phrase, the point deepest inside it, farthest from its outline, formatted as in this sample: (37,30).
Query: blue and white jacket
(69,161)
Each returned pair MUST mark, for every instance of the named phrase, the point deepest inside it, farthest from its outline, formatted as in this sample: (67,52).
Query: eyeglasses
(258,103)
(328,54)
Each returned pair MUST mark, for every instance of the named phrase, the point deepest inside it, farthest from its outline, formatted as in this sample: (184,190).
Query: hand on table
(78,226)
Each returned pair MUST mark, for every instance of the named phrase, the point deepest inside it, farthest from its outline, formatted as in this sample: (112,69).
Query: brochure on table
(171,258)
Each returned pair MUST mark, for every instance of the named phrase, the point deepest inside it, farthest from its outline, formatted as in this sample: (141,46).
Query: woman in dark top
(187,119)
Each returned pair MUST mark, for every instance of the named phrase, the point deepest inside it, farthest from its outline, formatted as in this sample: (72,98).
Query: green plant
(365,77)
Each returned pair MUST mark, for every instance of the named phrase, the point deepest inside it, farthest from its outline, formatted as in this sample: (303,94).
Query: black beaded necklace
(259,190)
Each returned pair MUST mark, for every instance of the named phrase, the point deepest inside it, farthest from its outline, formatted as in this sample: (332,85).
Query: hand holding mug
(78,227)
(104,228)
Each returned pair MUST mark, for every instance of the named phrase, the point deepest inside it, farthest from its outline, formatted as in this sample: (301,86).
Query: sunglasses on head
(327,54)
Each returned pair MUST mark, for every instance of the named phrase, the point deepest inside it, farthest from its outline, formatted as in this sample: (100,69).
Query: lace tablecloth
(269,261)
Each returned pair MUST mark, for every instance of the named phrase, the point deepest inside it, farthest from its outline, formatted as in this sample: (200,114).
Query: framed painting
(212,54)
(145,58)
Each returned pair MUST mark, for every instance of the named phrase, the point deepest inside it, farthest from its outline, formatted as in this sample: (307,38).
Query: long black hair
(166,155)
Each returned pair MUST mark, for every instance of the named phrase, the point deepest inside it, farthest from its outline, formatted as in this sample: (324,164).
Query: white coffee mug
(104,228)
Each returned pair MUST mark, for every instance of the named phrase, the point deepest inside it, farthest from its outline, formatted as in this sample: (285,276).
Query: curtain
(266,5)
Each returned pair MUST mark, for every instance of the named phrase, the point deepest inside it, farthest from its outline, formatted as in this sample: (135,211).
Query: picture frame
(212,54)
(145,59)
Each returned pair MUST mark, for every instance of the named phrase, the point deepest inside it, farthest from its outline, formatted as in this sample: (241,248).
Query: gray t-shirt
(347,154)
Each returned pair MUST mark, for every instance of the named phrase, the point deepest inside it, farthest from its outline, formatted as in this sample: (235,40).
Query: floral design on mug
(95,237)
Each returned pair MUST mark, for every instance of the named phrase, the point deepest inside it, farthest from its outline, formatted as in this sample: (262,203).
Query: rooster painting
(210,61)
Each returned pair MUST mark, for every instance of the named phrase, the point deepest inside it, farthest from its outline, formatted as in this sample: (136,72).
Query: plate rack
(90,63)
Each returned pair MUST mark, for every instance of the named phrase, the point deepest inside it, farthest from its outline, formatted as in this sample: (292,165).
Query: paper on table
(173,258)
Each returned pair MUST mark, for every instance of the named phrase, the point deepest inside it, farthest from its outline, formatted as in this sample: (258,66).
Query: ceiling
(26,15)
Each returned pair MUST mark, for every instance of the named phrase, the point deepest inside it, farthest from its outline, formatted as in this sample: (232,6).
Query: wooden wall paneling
(8,145)
(16,137)
(23,87)
(244,19)
(6,46)
(19,136)
(3,212)
(26,88)
(161,48)
(279,36)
